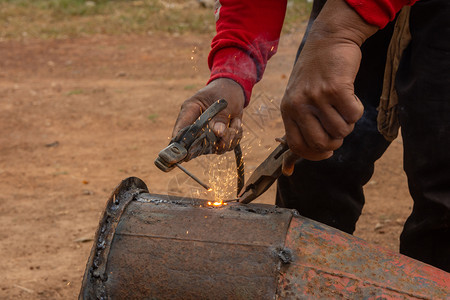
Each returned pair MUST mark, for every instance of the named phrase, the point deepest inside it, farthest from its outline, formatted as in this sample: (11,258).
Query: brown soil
(79,115)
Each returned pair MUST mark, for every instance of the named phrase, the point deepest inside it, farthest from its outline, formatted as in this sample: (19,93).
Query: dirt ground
(79,115)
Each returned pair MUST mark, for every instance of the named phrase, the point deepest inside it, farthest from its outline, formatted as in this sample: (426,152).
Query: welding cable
(239,168)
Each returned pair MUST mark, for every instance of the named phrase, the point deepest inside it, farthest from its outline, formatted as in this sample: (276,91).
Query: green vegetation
(190,87)
(297,13)
(75,92)
(74,18)
(60,173)
(152,117)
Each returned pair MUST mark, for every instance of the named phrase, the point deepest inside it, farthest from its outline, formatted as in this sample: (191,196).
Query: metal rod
(231,200)
(207,187)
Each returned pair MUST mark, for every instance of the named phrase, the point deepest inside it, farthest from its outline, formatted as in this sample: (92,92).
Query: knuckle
(296,148)
(342,131)
(323,145)
(335,144)
(284,106)
(320,146)
(317,93)
(352,119)
(353,116)
(186,105)
(354,112)
(239,132)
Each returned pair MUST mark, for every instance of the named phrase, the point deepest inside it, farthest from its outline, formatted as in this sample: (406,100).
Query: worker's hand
(227,125)
(319,107)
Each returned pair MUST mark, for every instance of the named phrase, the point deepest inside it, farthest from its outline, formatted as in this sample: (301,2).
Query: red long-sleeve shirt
(248,32)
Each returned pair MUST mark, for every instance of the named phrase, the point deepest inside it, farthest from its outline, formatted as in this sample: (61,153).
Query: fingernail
(287,171)
(239,123)
(219,128)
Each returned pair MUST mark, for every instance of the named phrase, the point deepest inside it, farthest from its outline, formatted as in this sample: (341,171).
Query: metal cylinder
(152,246)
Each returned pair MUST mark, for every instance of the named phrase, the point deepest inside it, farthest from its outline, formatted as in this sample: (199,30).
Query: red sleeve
(247,36)
(378,12)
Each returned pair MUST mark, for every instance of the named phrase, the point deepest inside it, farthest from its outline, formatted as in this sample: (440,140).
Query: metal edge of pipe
(95,272)
(94,285)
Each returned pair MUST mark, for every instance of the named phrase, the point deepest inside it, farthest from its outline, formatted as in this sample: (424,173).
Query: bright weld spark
(222,179)
(222,176)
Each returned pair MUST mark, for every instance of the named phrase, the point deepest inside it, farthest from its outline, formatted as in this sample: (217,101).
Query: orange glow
(216,203)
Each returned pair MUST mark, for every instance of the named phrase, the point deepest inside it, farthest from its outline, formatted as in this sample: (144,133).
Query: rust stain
(331,263)
(151,245)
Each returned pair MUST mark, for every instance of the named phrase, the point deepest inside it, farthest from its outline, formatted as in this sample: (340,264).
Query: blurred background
(89,92)
(77,18)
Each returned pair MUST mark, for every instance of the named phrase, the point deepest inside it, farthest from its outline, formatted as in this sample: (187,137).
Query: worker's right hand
(227,125)
(319,107)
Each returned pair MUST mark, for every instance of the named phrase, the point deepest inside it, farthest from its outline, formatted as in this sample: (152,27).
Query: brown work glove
(319,107)
(227,125)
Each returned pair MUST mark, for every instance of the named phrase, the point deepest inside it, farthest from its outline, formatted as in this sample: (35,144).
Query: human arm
(319,107)
(247,36)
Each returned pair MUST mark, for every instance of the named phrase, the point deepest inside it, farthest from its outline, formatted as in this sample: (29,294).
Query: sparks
(222,179)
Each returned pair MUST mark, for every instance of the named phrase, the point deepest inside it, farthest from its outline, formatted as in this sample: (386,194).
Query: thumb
(289,160)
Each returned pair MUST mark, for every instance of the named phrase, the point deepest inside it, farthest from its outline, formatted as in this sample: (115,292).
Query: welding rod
(208,188)
(231,200)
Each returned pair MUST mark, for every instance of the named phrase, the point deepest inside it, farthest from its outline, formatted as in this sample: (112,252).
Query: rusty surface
(181,251)
(160,247)
(93,286)
(328,263)
(173,248)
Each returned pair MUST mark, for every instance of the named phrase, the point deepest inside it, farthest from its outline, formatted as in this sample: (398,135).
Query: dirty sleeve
(378,12)
(248,32)
(247,36)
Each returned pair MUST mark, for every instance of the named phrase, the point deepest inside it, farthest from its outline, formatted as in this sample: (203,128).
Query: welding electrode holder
(199,135)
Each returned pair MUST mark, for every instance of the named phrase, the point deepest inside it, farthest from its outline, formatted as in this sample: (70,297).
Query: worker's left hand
(226,125)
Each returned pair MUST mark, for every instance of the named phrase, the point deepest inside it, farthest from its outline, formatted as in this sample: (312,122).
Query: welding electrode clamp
(198,139)
(195,140)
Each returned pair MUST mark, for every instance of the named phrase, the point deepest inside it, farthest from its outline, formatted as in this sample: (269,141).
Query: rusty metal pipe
(155,246)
